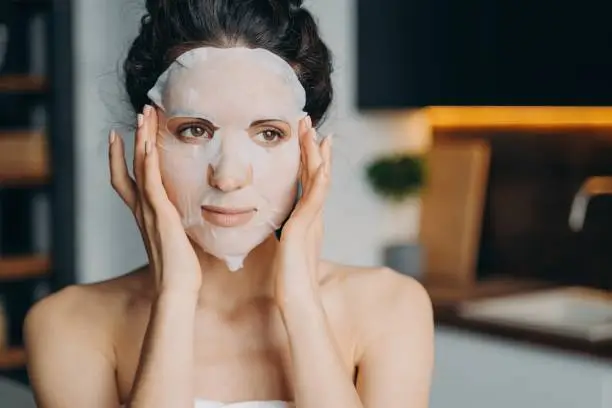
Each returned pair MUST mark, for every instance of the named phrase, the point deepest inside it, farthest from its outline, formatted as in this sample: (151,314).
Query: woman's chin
(229,243)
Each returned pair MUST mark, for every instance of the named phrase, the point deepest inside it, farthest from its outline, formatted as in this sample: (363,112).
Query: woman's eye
(269,136)
(194,131)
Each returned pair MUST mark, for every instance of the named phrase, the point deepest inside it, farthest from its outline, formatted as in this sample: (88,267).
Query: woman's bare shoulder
(378,299)
(376,288)
(72,332)
(92,307)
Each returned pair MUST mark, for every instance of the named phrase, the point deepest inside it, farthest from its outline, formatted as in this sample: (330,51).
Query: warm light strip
(517,116)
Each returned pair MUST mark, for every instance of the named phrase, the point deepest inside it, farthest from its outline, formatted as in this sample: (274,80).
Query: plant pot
(406,258)
(402,221)
(402,250)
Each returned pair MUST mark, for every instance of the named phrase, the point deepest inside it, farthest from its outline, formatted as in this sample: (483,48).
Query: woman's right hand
(171,254)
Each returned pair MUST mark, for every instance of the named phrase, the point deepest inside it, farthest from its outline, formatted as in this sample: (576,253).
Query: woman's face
(229,148)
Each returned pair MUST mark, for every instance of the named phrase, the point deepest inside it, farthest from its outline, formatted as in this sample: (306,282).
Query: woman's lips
(227,217)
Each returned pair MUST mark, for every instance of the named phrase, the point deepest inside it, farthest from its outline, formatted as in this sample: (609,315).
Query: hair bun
(155,8)
(284,27)
(153,5)
(286,7)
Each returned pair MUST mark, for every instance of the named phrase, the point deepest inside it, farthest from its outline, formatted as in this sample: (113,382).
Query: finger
(322,184)
(139,150)
(121,181)
(146,131)
(152,126)
(313,157)
(312,202)
(326,152)
(153,186)
(302,169)
(301,127)
(319,189)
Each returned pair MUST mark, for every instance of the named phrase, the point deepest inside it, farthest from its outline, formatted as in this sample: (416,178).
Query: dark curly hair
(284,27)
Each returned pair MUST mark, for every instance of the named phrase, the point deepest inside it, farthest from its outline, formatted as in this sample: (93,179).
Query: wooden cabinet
(415,53)
(36,164)
(482,372)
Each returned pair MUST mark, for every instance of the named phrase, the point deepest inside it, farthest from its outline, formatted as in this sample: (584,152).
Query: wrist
(301,299)
(176,298)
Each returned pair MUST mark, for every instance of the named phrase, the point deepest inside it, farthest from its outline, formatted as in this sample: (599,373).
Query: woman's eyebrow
(187,113)
(192,118)
(262,121)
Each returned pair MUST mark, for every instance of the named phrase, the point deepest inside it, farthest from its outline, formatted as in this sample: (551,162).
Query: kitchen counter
(446,302)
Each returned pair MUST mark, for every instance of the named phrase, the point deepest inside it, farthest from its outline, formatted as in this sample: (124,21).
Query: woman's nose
(233,170)
(229,177)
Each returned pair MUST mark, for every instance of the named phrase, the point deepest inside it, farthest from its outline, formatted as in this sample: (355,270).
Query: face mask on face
(229,148)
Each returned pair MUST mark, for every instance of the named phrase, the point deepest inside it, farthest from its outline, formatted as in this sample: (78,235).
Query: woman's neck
(227,290)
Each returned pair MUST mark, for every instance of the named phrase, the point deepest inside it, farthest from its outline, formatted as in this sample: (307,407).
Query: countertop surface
(446,301)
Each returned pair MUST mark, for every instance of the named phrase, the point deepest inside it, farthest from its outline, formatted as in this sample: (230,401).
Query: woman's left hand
(297,260)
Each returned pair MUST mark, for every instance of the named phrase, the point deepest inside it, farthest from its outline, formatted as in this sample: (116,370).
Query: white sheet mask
(239,162)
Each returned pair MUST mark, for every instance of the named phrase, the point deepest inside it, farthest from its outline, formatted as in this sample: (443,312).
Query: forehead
(231,89)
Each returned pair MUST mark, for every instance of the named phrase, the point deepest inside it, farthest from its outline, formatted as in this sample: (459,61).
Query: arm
(69,349)
(70,363)
(397,360)
(396,364)
(71,359)
(164,379)
(320,377)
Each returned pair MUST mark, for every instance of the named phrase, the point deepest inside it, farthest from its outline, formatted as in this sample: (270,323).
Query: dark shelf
(23,158)
(24,267)
(12,358)
(14,83)
(37,191)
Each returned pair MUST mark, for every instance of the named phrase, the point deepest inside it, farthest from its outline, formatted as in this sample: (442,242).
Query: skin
(288,327)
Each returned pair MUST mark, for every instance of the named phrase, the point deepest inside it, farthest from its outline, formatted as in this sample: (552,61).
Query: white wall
(108,242)
(107,237)
(355,227)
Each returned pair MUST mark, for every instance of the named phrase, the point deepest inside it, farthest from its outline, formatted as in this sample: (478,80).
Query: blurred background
(473,145)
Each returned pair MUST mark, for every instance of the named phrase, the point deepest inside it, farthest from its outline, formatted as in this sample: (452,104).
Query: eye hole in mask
(269,133)
(191,130)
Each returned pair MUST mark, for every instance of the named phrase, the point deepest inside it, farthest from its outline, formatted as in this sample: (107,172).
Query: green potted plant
(397,179)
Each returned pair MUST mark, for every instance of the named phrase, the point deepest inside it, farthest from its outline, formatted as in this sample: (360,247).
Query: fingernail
(147,110)
(140,119)
(147,147)
(308,122)
(111,136)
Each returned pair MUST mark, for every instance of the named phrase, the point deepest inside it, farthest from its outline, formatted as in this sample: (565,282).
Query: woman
(230,94)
